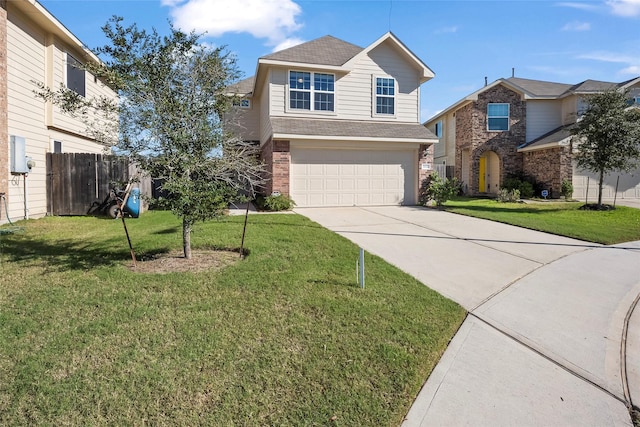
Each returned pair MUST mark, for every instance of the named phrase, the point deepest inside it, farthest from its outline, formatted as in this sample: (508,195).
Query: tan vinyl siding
(26,62)
(445,150)
(356,88)
(265,111)
(543,116)
(354,91)
(569,109)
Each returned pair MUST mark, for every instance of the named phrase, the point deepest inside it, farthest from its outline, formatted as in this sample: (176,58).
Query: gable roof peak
(326,50)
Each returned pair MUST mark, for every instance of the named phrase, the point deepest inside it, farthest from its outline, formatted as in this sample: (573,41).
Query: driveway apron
(543,344)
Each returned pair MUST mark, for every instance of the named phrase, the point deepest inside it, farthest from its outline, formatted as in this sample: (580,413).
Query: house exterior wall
(34,54)
(4,135)
(549,167)
(472,134)
(543,116)
(354,91)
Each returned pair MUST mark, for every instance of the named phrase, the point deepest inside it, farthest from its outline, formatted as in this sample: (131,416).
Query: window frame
(507,117)
(438,129)
(244,103)
(57,143)
(314,93)
(69,60)
(374,106)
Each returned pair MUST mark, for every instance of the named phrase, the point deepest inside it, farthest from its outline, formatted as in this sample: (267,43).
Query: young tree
(607,136)
(173,96)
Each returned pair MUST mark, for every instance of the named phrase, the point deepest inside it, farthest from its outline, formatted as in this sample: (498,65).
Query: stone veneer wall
(276,156)
(549,167)
(4,124)
(472,134)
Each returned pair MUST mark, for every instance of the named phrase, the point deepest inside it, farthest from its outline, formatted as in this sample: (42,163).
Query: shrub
(274,203)
(508,196)
(438,189)
(566,189)
(524,186)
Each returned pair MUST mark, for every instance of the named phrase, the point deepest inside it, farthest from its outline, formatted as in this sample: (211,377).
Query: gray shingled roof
(555,136)
(243,87)
(593,86)
(326,50)
(349,128)
(540,88)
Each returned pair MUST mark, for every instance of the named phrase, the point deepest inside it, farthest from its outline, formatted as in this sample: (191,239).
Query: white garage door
(628,185)
(352,177)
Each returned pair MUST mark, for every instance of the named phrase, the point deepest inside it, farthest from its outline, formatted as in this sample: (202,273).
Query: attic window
(75,75)
(498,117)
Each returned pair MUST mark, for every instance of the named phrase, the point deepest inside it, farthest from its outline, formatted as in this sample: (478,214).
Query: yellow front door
(482,186)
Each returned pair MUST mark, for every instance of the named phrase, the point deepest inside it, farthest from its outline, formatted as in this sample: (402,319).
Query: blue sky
(461,41)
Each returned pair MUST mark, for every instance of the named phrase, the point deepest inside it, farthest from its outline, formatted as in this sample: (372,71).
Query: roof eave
(289,136)
(305,65)
(46,20)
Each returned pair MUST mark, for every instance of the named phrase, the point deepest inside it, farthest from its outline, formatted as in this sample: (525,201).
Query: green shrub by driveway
(283,337)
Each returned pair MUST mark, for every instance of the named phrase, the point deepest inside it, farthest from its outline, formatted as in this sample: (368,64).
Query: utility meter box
(17,152)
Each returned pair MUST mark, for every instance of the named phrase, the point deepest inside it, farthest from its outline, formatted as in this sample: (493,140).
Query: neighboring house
(337,124)
(35,46)
(519,126)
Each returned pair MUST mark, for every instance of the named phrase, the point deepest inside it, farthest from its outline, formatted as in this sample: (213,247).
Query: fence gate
(76,180)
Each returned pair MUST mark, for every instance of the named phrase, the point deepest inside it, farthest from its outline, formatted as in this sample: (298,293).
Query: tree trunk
(186,238)
(600,182)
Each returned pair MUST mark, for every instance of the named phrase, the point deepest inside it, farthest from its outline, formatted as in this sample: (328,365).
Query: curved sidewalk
(542,343)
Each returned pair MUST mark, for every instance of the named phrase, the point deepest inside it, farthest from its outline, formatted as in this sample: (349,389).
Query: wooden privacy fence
(76,180)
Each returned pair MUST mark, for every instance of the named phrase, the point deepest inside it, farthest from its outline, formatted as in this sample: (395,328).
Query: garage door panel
(351,177)
(628,184)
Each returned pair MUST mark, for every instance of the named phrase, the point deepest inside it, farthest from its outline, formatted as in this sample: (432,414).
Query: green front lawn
(284,337)
(562,218)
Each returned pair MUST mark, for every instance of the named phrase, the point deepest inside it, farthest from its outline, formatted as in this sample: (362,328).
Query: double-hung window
(75,75)
(385,95)
(311,91)
(498,117)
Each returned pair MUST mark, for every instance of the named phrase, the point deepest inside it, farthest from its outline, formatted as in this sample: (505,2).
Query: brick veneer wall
(276,155)
(549,167)
(4,125)
(425,155)
(472,133)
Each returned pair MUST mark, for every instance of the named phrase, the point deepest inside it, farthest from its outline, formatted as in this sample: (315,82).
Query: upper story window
(438,129)
(242,103)
(385,95)
(311,91)
(498,117)
(75,75)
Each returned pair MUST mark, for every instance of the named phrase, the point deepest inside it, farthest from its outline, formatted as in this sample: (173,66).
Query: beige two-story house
(36,47)
(521,127)
(338,124)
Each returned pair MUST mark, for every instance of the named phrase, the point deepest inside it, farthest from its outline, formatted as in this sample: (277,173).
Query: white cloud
(445,30)
(273,20)
(286,44)
(577,5)
(577,26)
(631,61)
(629,8)
(633,70)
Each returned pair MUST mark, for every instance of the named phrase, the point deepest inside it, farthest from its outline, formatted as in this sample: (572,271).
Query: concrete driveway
(543,344)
